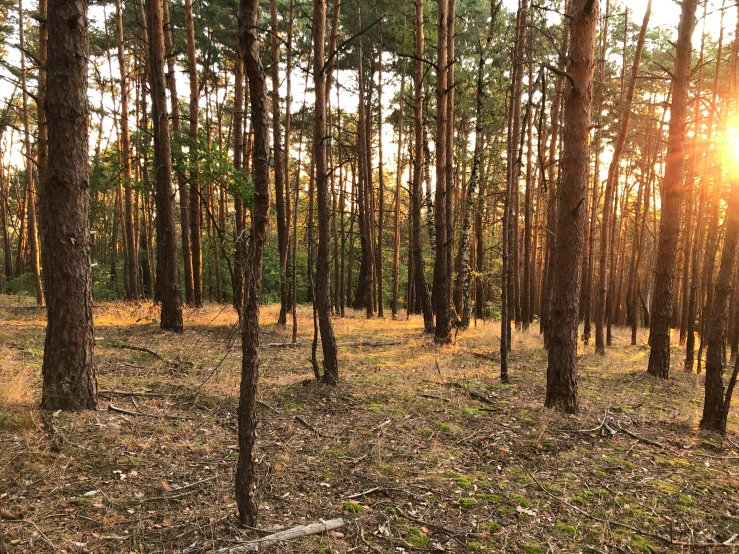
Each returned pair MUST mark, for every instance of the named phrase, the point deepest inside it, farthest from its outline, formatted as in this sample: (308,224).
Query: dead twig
(112,408)
(141,349)
(307,425)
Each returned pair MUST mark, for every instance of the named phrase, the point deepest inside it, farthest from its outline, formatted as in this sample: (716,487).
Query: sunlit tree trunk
(572,193)
(672,197)
(33,238)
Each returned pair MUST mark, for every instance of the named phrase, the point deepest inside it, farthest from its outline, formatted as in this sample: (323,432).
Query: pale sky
(665,13)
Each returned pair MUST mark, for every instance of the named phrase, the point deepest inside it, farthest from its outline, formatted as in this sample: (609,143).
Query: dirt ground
(419,448)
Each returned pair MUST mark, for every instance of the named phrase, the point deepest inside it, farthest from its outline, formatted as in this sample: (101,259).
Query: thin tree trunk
(196,241)
(247,415)
(420,286)
(33,238)
(398,189)
(323,262)
(281,223)
(611,183)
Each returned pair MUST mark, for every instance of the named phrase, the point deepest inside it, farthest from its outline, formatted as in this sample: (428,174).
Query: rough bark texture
(572,193)
(68,372)
(245,472)
(442,271)
(196,241)
(182,187)
(420,286)
(167,269)
(672,198)
(282,222)
(323,261)
(714,415)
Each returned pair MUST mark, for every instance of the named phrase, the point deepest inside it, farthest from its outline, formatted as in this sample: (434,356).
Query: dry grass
(450,472)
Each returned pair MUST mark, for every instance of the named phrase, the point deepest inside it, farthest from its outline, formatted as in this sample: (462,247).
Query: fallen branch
(637,437)
(112,408)
(307,425)
(287,535)
(29,522)
(434,397)
(116,392)
(371,491)
(140,349)
(451,534)
(472,394)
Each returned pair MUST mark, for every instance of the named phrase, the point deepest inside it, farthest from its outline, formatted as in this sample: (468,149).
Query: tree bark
(279,172)
(68,371)
(168,271)
(572,193)
(672,198)
(442,271)
(182,187)
(245,470)
(420,286)
(323,261)
(196,241)
(33,238)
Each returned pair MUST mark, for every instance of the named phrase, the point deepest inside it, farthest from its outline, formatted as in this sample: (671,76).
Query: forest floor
(447,458)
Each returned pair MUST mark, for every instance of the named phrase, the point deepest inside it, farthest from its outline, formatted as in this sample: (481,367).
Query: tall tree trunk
(171,315)
(68,371)
(33,238)
(281,224)
(672,198)
(611,183)
(182,187)
(381,186)
(688,247)
(131,258)
(465,275)
(196,241)
(420,286)
(715,405)
(323,261)
(587,292)
(245,471)
(442,269)
(240,240)
(572,193)
(398,189)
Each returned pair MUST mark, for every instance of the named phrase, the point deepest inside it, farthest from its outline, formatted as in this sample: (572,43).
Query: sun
(730,150)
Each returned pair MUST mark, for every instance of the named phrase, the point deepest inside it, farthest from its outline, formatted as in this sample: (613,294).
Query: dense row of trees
(565,163)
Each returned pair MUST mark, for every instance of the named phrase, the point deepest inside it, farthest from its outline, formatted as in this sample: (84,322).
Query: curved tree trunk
(245,478)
